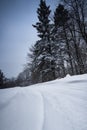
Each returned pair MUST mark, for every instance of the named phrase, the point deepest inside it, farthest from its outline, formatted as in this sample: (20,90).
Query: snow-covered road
(56,105)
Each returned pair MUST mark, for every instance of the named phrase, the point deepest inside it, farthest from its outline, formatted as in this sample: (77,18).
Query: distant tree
(10,83)
(24,78)
(1,79)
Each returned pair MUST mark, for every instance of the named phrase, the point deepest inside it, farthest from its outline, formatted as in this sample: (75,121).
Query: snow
(56,105)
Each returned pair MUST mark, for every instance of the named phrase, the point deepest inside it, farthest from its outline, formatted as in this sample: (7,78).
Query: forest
(62,45)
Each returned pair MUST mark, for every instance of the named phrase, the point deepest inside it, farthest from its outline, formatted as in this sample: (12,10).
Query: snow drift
(56,105)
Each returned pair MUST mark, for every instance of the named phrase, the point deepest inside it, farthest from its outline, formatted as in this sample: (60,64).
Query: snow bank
(56,105)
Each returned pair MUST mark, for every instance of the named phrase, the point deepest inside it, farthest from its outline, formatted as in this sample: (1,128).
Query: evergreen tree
(43,16)
(43,62)
(61,18)
(1,79)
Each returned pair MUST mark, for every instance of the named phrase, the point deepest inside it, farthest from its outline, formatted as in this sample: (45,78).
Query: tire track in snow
(42,96)
(70,108)
(58,106)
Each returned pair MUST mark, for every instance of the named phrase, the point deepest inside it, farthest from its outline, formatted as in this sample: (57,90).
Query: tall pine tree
(44,60)
(43,16)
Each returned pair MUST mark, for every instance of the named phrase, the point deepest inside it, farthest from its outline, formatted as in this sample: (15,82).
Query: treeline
(62,47)
(23,79)
(5,82)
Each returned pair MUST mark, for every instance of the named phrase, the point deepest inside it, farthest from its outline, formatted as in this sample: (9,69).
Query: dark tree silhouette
(1,79)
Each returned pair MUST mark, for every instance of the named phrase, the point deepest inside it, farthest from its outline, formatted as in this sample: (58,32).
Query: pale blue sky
(17,33)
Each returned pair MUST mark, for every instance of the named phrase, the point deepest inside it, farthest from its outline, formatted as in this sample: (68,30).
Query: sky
(17,34)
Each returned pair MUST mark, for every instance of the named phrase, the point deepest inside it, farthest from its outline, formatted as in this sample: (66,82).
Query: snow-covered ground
(56,105)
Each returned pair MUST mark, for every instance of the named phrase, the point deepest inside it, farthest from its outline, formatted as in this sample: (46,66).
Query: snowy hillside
(55,105)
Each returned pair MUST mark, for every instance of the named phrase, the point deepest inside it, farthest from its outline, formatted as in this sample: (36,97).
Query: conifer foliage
(60,16)
(43,16)
(2,78)
(43,62)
